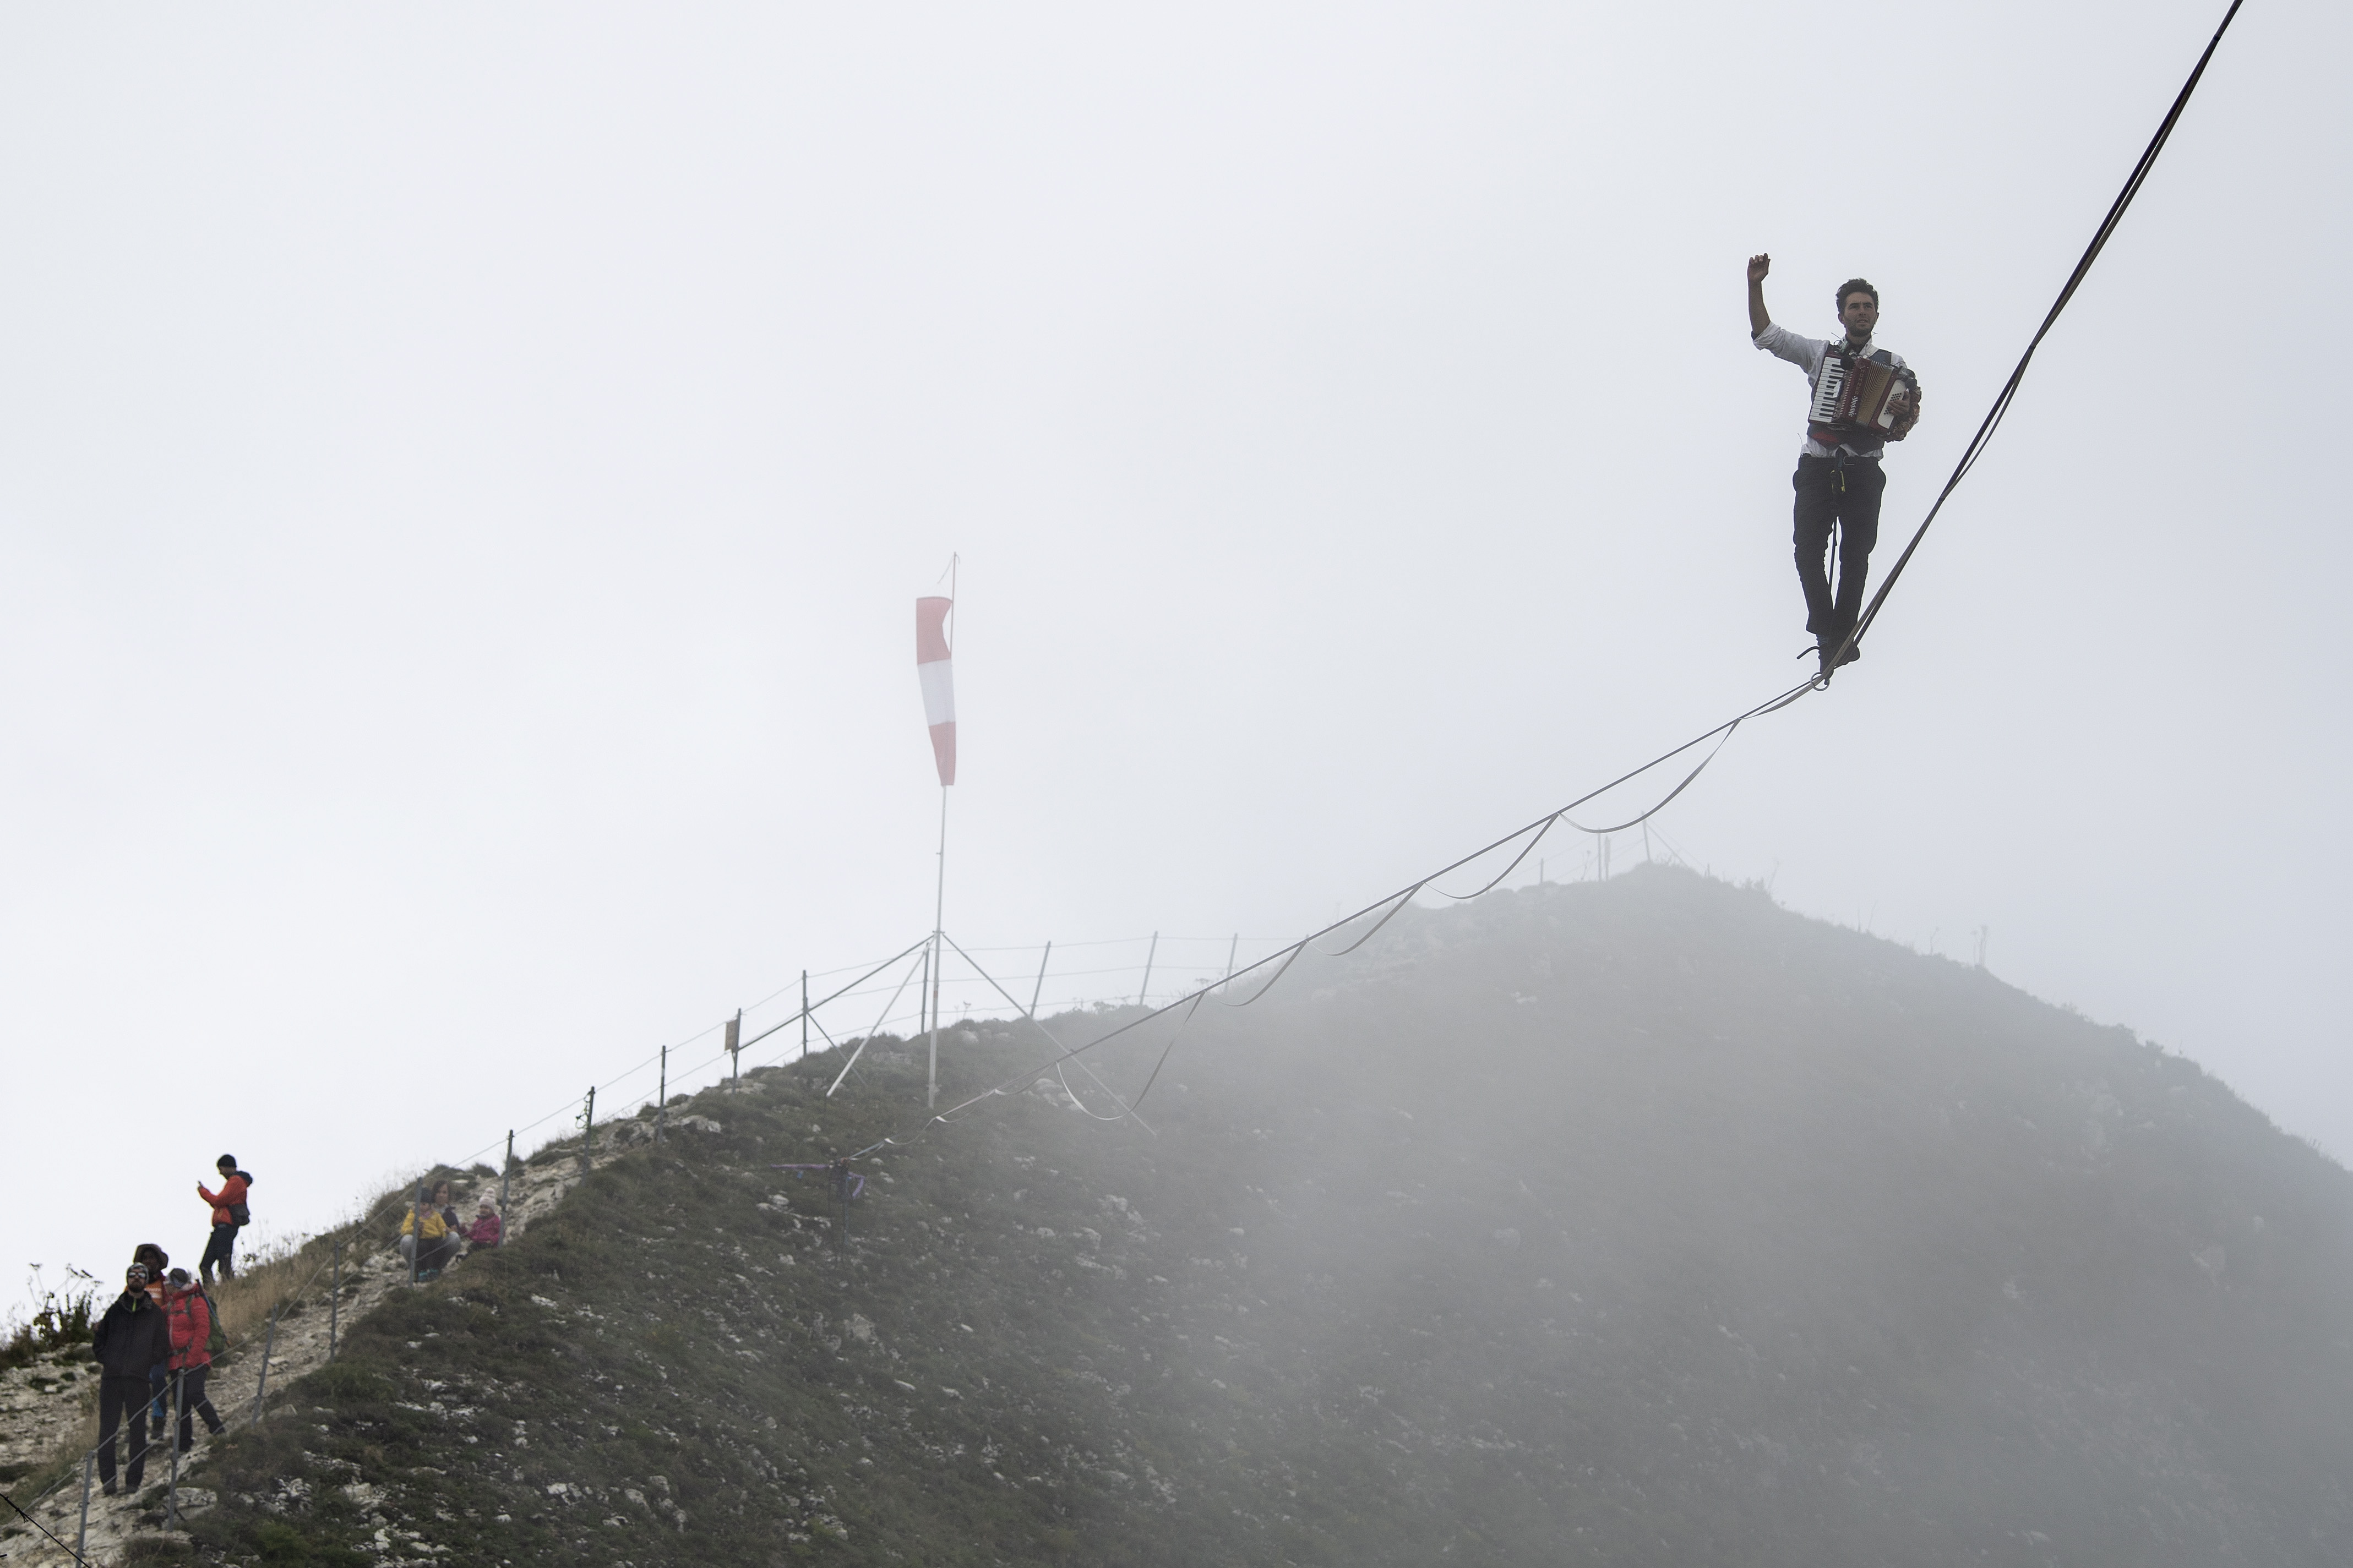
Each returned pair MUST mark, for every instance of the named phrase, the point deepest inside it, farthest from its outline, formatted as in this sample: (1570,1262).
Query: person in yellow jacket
(439,1245)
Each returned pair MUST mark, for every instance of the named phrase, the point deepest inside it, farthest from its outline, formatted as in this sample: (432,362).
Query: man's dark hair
(230,1160)
(1856,286)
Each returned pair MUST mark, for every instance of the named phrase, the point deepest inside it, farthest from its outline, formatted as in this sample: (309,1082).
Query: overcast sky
(465,473)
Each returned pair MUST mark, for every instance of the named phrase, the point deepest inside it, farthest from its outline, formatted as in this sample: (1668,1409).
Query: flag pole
(932,656)
(939,920)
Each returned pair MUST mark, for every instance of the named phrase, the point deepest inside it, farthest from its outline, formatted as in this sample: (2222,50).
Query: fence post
(661,1097)
(805,1011)
(1150,954)
(734,1050)
(172,1436)
(416,1235)
(261,1383)
(588,1130)
(334,1296)
(81,1535)
(504,1172)
(1038,989)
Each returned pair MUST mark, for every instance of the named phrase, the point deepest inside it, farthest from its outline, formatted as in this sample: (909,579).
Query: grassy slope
(1644,1223)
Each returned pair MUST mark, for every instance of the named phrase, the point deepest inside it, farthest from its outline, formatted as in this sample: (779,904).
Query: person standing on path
(154,1259)
(130,1341)
(229,1212)
(189,1311)
(1839,482)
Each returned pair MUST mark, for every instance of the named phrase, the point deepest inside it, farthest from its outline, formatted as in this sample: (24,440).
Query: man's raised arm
(1758,317)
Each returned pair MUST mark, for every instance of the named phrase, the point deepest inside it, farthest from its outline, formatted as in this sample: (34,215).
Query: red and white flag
(939,687)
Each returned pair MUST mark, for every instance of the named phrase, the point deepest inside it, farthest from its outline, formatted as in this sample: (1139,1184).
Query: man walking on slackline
(1863,397)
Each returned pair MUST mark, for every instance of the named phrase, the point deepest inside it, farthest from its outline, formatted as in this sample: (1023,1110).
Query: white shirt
(1807,353)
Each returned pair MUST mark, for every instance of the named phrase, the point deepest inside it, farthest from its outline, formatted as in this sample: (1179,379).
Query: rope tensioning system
(1387,908)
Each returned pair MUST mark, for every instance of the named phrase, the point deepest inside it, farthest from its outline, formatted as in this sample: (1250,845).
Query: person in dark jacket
(155,1261)
(229,1212)
(131,1339)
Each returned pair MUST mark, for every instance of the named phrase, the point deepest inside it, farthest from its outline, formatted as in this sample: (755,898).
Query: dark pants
(119,1397)
(1844,491)
(217,1250)
(194,1403)
(159,1410)
(438,1254)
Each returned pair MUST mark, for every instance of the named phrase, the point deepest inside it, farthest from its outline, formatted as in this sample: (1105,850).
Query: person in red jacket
(228,1212)
(488,1229)
(189,1311)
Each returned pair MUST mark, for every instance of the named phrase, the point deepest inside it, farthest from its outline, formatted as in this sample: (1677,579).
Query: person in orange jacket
(229,1212)
(189,1313)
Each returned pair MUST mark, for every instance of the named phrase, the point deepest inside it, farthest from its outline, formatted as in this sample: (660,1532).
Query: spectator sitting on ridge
(488,1229)
(448,1207)
(423,1223)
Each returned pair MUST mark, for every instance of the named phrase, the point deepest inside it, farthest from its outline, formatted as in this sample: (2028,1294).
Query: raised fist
(1759,266)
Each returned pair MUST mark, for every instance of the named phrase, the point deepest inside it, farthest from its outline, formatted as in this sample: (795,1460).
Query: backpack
(215,1342)
(240,1214)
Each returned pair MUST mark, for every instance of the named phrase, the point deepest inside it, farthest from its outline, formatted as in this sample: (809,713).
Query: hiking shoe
(107,1489)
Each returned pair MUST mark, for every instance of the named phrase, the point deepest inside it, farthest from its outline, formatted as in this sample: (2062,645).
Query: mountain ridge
(1633,1222)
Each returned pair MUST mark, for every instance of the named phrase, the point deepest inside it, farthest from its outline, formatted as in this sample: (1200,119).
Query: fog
(1649,1223)
(464,474)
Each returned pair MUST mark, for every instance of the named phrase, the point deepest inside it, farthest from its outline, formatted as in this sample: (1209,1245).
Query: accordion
(1858,394)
